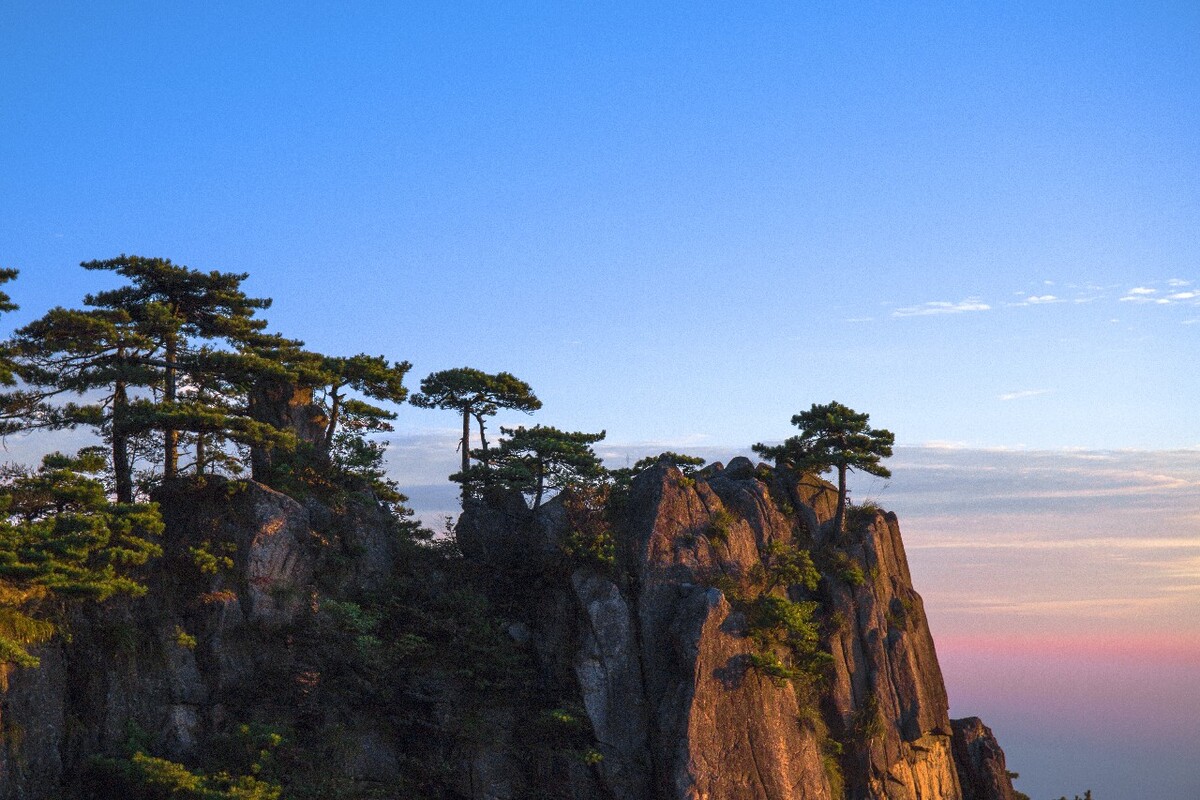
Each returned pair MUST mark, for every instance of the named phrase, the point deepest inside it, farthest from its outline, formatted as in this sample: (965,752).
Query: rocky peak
(656,658)
(665,660)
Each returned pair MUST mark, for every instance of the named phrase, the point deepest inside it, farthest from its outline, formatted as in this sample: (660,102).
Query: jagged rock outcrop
(288,407)
(608,668)
(886,671)
(695,654)
(210,637)
(637,679)
(980,761)
(662,657)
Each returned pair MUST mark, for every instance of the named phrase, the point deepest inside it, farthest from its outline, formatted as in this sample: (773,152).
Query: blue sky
(684,223)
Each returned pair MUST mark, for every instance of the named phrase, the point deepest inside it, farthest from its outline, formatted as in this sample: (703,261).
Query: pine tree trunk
(537,499)
(201,453)
(839,518)
(335,407)
(120,445)
(466,457)
(170,435)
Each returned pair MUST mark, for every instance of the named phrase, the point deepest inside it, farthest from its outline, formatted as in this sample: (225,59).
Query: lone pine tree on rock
(833,436)
(475,394)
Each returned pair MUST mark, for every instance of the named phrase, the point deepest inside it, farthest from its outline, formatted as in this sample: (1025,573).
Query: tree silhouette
(475,394)
(532,460)
(833,436)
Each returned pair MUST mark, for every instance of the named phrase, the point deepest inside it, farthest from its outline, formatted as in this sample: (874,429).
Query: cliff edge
(622,653)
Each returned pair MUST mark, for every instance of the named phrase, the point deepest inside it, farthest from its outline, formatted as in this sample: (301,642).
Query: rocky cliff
(664,663)
(531,666)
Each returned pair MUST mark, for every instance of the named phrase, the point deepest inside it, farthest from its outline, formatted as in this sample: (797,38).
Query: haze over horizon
(682,224)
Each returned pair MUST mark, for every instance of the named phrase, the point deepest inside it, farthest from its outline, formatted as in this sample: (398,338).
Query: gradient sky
(684,223)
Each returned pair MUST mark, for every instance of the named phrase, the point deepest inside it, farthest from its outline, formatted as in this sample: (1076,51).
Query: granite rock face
(172,663)
(705,740)
(663,665)
(649,656)
(980,761)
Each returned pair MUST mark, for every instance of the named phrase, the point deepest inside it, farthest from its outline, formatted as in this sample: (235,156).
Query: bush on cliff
(61,539)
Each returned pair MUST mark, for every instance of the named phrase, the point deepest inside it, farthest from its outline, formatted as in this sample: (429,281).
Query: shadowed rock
(980,761)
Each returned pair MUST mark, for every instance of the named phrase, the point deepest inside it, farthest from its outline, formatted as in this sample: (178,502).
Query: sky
(682,224)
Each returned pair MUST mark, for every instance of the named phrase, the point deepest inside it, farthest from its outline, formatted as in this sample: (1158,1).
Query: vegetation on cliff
(306,638)
(833,436)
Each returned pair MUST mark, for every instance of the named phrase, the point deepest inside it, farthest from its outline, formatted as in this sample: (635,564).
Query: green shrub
(775,625)
(184,639)
(784,565)
(145,777)
(868,723)
(836,620)
(833,773)
(719,526)
(591,540)
(861,515)
(592,546)
(728,586)
(776,620)
(770,664)
(847,569)
(209,562)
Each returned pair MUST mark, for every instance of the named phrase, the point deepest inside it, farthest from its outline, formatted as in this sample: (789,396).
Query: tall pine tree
(476,395)
(97,353)
(201,323)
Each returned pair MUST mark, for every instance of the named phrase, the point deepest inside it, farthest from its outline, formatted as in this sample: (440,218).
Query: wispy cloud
(1124,607)
(1040,300)
(1023,394)
(936,307)
(1109,544)
(944,444)
(1176,293)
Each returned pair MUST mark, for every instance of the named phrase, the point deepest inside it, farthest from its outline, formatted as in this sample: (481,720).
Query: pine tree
(833,436)
(81,353)
(201,323)
(371,376)
(61,539)
(532,460)
(475,394)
